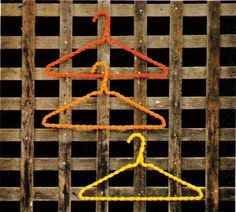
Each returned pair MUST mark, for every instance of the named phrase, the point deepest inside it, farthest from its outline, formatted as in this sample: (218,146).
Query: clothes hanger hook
(140,157)
(107,23)
(106,73)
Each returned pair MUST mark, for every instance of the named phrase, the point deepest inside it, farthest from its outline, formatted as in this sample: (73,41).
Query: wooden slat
(212,107)
(40,164)
(52,42)
(227,194)
(226,72)
(88,10)
(46,193)
(175,106)
(27,106)
(140,90)
(188,134)
(103,105)
(154,103)
(65,135)
(228,9)
(116,10)
(10,194)
(51,193)
(11,9)
(10,164)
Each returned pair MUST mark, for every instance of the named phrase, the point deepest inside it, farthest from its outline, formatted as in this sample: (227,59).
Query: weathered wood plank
(103,107)
(154,103)
(40,164)
(10,194)
(140,92)
(212,107)
(11,9)
(227,9)
(153,41)
(64,166)
(188,10)
(226,72)
(46,193)
(51,193)
(10,164)
(175,94)
(188,134)
(88,10)
(200,72)
(226,193)
(27,106)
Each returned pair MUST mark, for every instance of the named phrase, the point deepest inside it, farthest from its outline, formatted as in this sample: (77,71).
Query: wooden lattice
(21,131)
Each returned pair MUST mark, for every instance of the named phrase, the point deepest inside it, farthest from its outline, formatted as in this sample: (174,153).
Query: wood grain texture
(88,10)
(153,41)
(45,103)
(103,110)
(212,107)
(159,10)
(27,106)
(226,72)
(51,193)
(188,134)
(88,164)
(140,90)
(175,95)
(64,163)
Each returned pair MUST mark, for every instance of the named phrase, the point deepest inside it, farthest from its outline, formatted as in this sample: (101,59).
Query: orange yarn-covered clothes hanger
(104,90)
(140,162)
(106,39)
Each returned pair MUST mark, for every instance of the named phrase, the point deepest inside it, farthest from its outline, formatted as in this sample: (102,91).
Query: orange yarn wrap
(106,38)
(104,90)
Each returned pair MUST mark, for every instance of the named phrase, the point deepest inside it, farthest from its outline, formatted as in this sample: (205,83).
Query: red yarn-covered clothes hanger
(106,39)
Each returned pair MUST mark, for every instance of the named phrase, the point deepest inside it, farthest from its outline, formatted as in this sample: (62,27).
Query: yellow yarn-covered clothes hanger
(140,161)
(104,90)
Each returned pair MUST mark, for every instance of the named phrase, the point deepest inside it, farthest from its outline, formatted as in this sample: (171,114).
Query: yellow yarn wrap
(140,161)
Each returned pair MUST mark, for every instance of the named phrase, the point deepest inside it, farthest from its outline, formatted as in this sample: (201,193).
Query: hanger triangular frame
(105,38)
(104,89)
(140,161)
